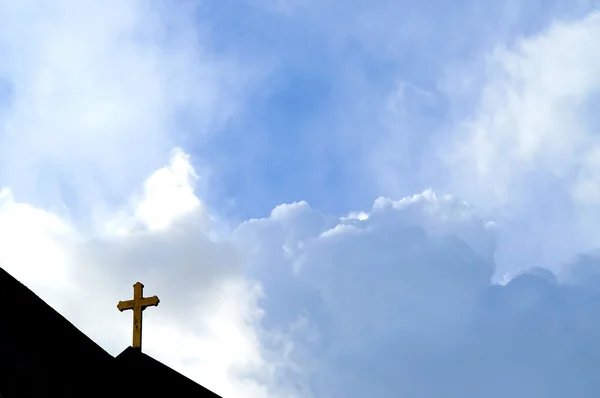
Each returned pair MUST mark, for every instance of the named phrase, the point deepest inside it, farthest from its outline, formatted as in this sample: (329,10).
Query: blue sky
(320,113)
(331,199)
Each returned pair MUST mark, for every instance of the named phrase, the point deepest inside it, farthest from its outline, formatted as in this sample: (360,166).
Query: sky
(331,199)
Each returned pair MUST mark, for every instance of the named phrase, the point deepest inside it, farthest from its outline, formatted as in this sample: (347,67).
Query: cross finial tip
(138,283)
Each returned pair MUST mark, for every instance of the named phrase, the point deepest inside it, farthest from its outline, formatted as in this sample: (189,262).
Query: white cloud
(400,303)
(528,152)
(167,197)
(97,91)
(408,296)
(94,102)
(32,242)
(208,323)
(387,302)
(534,111)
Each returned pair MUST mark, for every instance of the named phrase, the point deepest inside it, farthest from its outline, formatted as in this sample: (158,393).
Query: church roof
(156,376)
(43,355)
(41,352)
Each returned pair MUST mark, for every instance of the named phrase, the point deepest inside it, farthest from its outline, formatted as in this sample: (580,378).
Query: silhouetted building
(43,355)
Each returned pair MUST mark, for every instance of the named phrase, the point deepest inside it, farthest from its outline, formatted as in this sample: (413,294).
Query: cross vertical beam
(138,304)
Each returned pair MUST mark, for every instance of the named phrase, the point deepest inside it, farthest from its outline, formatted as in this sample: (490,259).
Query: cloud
(399,302)
(534,114)
(23,227)
(393,300)
(93,100)
(371,283)
(208,324)
(525,145)
(360,94)
(96,95)
(282,306)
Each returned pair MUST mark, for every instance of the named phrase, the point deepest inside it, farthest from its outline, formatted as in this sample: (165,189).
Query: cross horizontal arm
(125,305)
(149,302)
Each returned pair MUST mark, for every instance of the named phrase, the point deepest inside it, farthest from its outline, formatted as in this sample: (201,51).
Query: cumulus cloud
(396,302)
(370,284)
(208,324)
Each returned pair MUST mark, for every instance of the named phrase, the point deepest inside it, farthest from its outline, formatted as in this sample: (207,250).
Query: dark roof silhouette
(155,376)
(43,355)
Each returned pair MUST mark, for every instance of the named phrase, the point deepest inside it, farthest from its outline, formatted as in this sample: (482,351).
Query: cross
(138,304)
